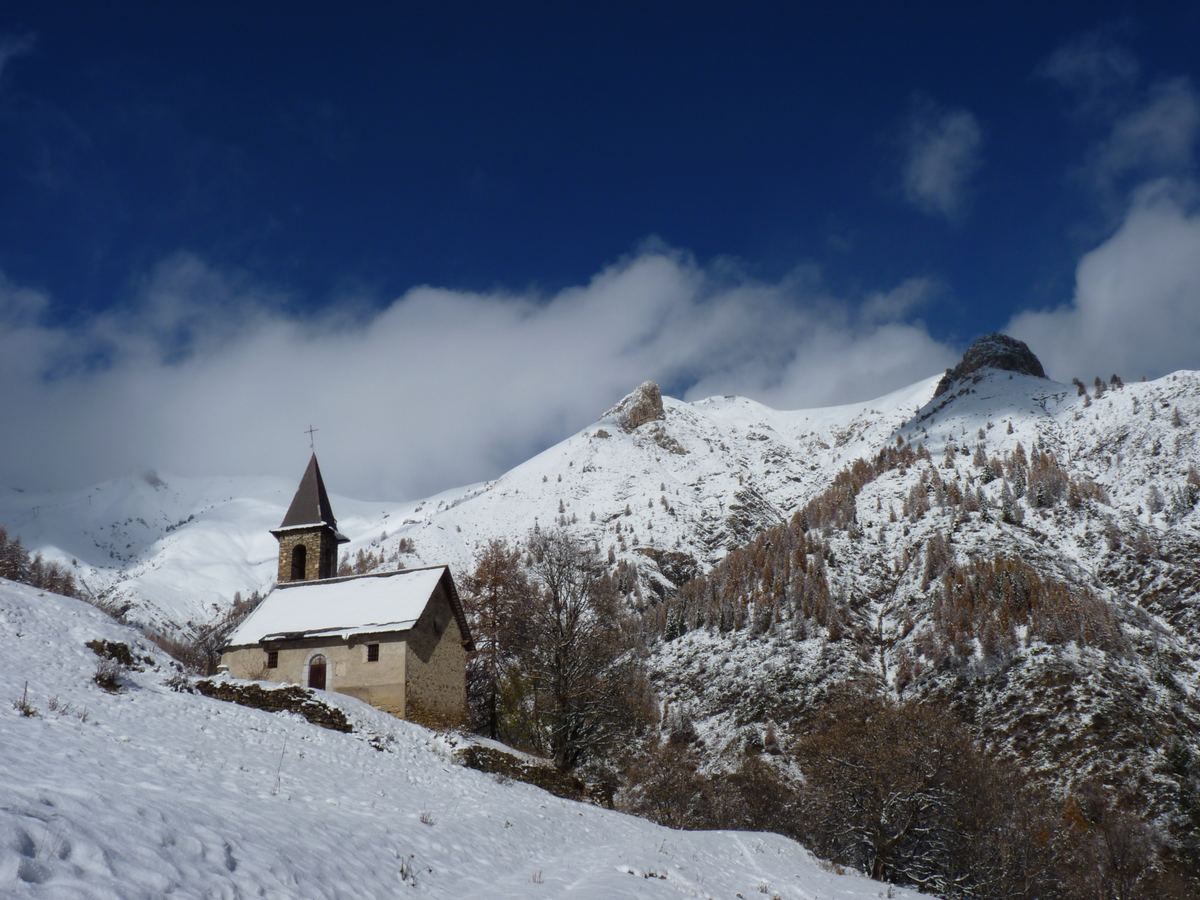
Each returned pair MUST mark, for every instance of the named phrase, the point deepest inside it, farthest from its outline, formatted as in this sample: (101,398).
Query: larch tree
(494,592)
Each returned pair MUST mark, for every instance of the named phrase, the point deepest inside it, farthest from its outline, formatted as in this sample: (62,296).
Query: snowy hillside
(1029,558)
(698,479)
(701,477)
(690,480)
(148,793)
(177,549)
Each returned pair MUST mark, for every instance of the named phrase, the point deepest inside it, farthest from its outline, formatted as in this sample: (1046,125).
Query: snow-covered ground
(153,793)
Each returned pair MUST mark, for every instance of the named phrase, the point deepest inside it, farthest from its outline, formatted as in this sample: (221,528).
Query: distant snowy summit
(992,351)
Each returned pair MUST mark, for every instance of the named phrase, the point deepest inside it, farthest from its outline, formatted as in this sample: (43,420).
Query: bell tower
(308,536)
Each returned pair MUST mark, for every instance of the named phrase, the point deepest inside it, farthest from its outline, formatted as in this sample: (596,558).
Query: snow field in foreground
(154,793)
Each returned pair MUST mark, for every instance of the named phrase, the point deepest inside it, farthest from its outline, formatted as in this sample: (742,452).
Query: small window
(372,653)
(272,659)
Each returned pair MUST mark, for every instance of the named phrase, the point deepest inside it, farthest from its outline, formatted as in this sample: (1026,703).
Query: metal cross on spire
(310,432)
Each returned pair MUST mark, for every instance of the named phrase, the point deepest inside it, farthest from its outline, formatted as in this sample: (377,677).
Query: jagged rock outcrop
(644,404)
(995,351)
(750,513)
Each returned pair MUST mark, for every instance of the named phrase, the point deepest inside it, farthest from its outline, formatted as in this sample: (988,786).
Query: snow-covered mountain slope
(686,479)
(176,549)
(152,793)
(1127,439)
(696,478)
(1035,566)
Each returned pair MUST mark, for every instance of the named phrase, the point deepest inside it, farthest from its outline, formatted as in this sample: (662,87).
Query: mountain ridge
(137,543)
(726,467)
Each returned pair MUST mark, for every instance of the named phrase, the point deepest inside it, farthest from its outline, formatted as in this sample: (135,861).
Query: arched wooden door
(316,672)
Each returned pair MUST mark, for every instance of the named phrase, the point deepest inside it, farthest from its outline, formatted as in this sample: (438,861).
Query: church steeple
(308,536)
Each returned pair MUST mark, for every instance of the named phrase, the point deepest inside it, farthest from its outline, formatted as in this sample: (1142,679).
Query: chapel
(398,640)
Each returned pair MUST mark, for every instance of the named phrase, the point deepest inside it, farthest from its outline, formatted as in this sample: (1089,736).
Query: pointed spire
(311,504)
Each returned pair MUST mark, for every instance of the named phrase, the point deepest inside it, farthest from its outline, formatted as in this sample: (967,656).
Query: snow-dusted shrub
(108,674)
(664,785)
(1047,481)
(180,684)
(23,706)
(937,556)
(1083,490)
(1191,487)
(115,651)
(1011,511)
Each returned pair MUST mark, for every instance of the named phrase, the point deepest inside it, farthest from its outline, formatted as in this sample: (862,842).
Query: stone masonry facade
(435,666)
(320,553)
(420,672)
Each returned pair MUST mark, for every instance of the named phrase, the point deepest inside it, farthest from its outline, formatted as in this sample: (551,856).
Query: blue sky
(180,182)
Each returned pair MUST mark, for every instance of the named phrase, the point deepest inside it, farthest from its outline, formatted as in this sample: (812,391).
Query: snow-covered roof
(340,607)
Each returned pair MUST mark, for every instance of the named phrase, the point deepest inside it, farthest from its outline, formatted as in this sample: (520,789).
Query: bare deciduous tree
(588,686)
(901,791)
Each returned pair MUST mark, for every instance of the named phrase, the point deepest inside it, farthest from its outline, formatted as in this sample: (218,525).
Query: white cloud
(942,152)
(900,301)
(207,372)
(1094,67)
(12,46)
(1158,137)
(1151,132)
(1136,308)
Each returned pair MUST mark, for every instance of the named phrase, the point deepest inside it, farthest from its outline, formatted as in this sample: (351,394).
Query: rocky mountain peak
(996,351)
(643,404)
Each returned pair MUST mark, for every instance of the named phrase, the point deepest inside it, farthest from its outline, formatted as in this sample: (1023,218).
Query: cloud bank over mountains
(1136,308)
(210,372)
(206,371)
(1136,304)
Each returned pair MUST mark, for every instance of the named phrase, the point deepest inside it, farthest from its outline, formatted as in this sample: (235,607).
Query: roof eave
(334,631)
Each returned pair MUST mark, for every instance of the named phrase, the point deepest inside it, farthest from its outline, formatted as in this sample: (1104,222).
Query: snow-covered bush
(108,674)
